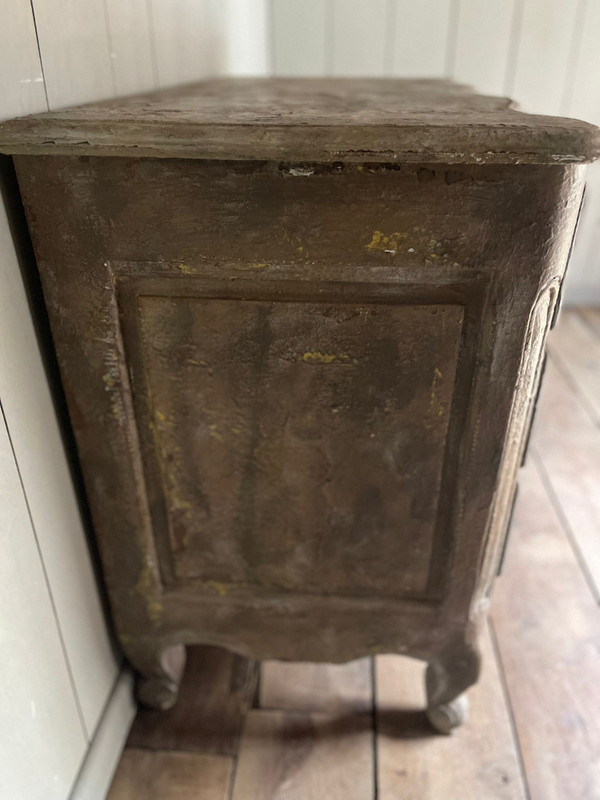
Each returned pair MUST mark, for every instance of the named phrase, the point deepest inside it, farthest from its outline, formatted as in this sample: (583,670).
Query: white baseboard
(96,774)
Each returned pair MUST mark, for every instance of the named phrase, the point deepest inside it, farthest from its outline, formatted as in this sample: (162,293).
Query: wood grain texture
(156,775)
(549,651)
(214,696)
(316,687)
(300,756)
(478,761)
(568,444)
(361,120)
(575,348)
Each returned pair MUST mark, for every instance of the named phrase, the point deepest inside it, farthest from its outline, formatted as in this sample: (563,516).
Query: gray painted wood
(354,121)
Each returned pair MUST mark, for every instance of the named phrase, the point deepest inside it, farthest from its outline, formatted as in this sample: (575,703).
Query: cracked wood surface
(303,119)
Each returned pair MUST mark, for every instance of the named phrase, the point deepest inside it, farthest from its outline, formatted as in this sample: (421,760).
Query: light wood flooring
(357,731)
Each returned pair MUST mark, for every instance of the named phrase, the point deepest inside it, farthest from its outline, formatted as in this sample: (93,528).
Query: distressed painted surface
(252,267)
(300,445)
(328,120)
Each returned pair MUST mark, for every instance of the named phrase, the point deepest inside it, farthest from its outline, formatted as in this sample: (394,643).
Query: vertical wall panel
(130,46)
(542,57)
(247,23)
(30,414)
(583,97)
(360,35)
(482,43)
(583,278)
(41,737)
(39,451)
(21,79)
(582,100)
(73,40)
(189,39)
(300,36)
(420,41)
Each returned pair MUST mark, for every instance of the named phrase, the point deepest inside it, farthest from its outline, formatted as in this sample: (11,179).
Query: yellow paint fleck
(160,416)
(386,243)
(145,588)
(435,407)
(324,358)
(258,265)
(214,433)
(220,588)
(185,269)
(155,610)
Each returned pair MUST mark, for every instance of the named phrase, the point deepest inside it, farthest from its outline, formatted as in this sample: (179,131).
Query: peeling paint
(386,243)
(214,433)
(324,358)
(435,407)
(144,587)
(220,588)
(301,172)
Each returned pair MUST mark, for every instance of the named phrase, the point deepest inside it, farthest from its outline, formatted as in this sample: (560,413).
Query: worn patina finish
(300,326)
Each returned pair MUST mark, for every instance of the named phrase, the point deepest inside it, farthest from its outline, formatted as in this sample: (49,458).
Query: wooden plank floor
(325,732)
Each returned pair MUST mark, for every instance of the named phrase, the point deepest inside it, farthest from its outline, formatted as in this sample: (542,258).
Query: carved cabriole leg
(159,672)
(448,675)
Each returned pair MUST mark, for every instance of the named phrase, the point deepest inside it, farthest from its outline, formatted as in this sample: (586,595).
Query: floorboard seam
(374,728)
(564,524)
(252,682)
(509,708)
(582,400)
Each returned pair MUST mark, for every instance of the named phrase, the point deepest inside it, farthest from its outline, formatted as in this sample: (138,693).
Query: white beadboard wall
(545,54)
(65,704)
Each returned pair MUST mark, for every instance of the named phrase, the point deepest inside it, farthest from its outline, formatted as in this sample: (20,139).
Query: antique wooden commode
(300,325)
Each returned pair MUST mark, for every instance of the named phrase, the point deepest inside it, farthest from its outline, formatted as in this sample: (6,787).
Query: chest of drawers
(300,326)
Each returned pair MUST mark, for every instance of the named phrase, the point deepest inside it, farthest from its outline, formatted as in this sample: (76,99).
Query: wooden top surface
(299,119)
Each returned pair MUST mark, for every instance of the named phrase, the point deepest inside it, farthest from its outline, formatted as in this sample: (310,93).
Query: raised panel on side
(293,444)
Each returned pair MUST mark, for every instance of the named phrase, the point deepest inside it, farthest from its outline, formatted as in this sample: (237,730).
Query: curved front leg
(159,672)
(448,675)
